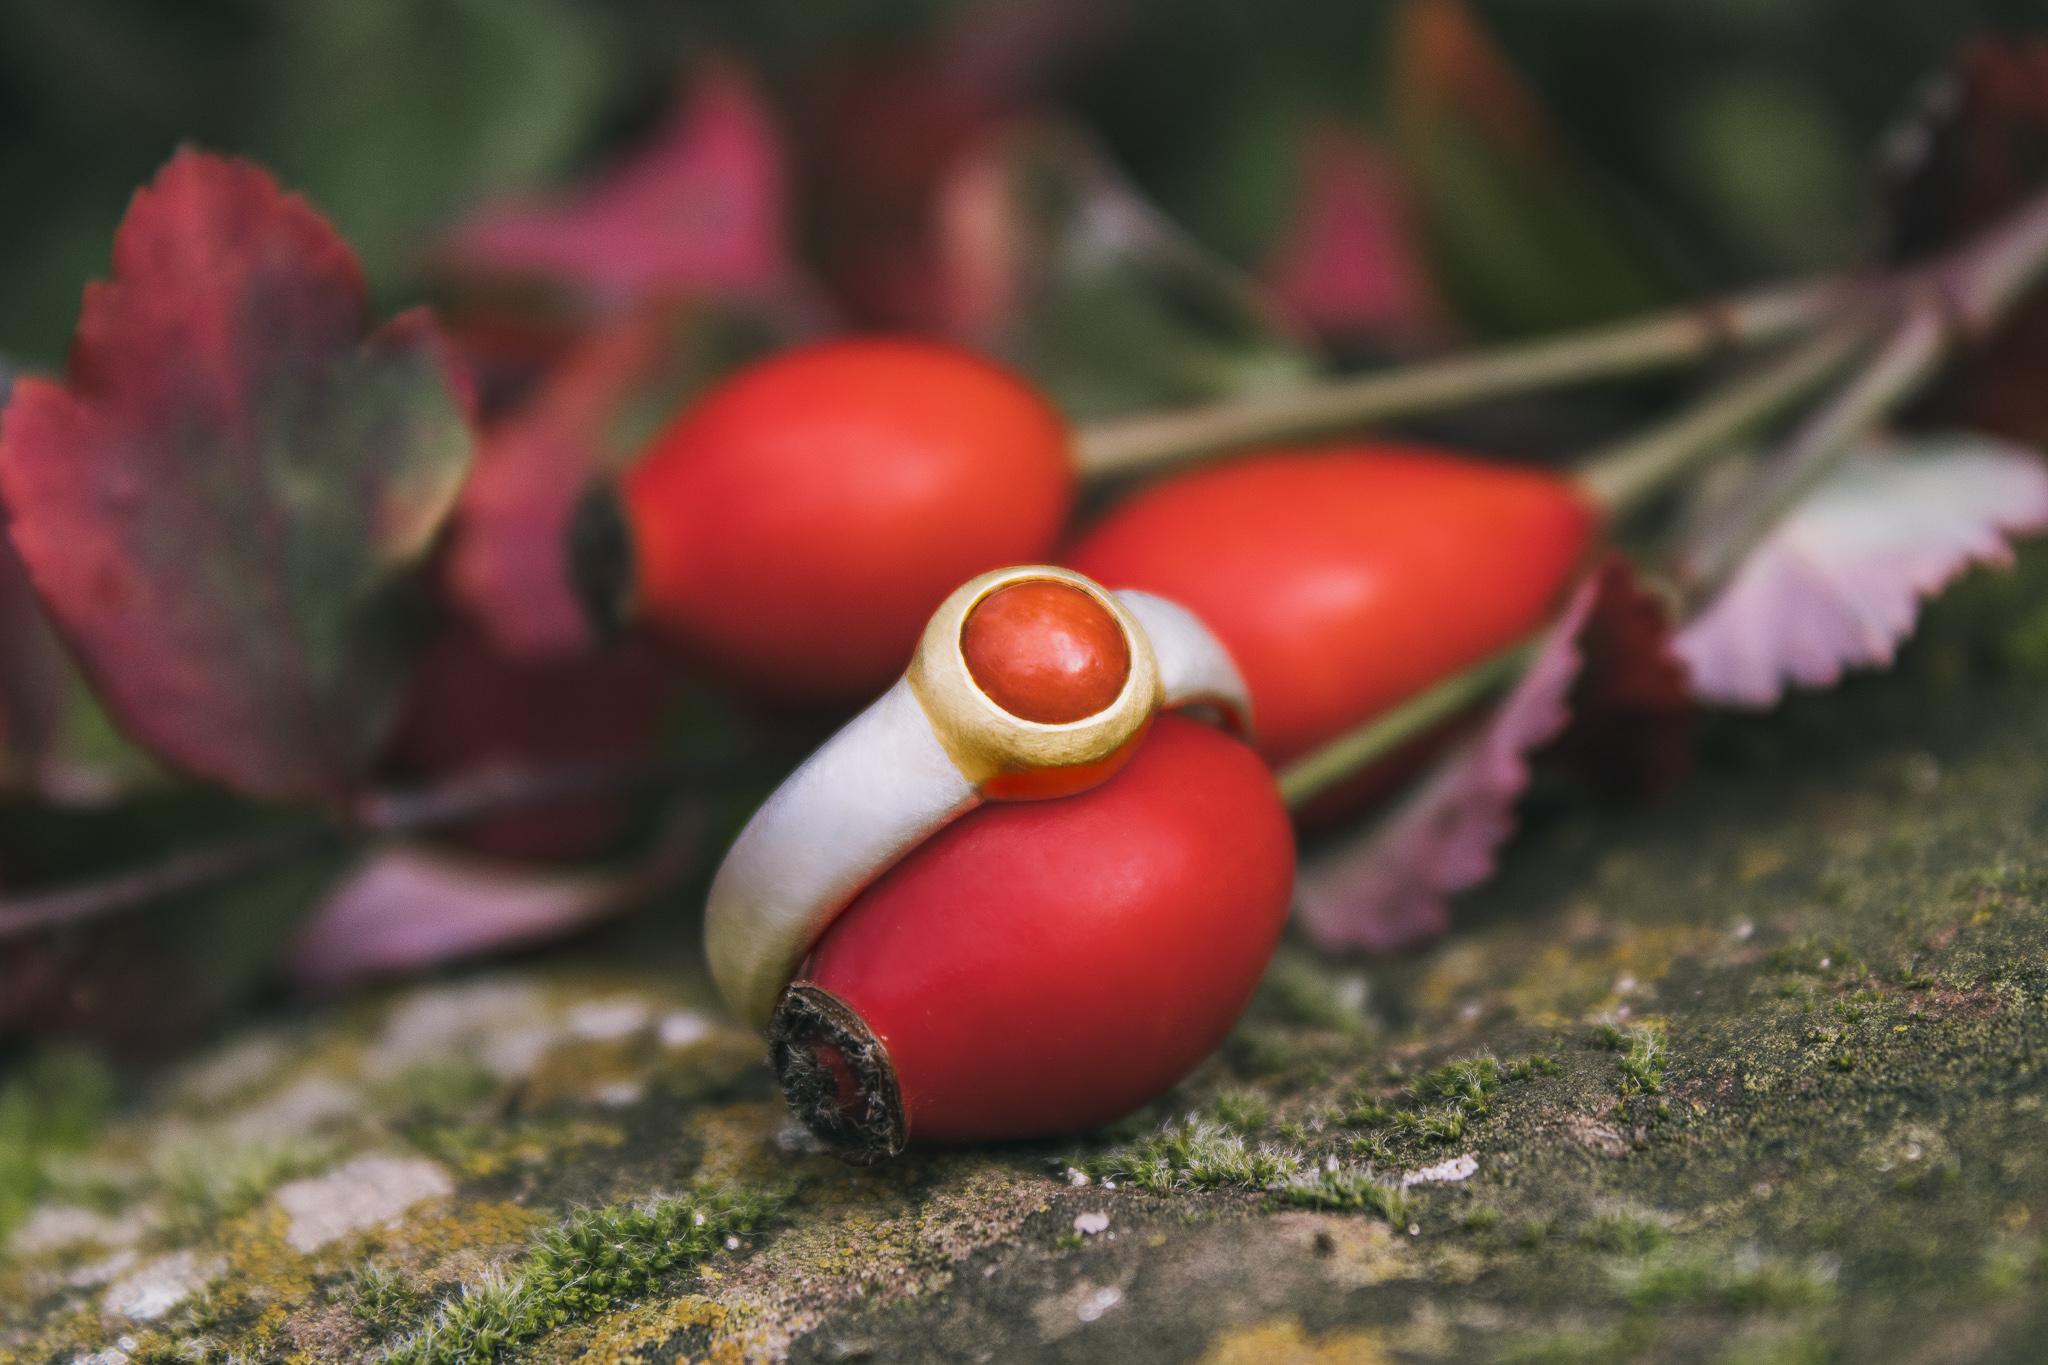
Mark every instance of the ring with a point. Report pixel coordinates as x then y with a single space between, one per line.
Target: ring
1028 683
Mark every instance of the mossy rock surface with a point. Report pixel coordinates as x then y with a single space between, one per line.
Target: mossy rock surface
1755 1073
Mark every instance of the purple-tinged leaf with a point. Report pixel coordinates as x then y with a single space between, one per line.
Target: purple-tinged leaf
1391 889
217 503
409 908
701 208
1839 582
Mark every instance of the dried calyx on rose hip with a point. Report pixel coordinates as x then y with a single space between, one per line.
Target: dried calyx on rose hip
1042 967
1345 579
794 526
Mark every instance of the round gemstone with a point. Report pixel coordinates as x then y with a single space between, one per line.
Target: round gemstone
1046 652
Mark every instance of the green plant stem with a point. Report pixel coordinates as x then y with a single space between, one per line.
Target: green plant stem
1981 284
1352 753
1623 476
1617 479
1909 357
1152 441
1931 311
1955 301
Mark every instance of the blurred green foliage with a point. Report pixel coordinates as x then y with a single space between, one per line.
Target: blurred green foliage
52 1104
1738 137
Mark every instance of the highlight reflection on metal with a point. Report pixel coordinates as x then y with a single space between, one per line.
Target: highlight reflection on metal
930 749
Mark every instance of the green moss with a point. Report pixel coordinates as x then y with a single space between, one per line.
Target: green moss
1617 1345
1193 1154
1796 1347
1445 1125
581 1267
53 1105
1644 1057
1484 1218
1745 1280
1468 1084
434 1090
204 1185
1530 1067
383 1300
2012 1266
1373 1147
1352 1191
1623 1232
1243 1111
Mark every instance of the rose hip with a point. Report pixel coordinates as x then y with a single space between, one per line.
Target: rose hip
797 525
1345 579
1041 967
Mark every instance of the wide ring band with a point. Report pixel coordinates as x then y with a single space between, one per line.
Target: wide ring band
930 749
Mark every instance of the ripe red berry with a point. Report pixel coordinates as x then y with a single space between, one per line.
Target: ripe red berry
1041 967
797 525
1346 579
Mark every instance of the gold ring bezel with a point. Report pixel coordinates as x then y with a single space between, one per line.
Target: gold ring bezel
985 741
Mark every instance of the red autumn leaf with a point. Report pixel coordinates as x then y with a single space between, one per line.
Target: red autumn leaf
474 710
409 908
1348 262
1839 582
700 208
508 561
42 697
1633 708
218 503
1391 889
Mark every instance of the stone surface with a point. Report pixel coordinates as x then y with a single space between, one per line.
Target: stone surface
151 1291
367 1192
1755 1073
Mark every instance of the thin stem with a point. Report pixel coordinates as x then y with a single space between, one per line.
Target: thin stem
1153 440
457 804
1620 478
469 800
1350 754
1909 357
179 875
1996 270
1970 291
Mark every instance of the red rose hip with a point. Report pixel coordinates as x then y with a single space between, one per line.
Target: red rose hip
797 525
1346 579
1042 967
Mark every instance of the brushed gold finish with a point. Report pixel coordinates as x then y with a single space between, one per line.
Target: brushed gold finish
987 742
